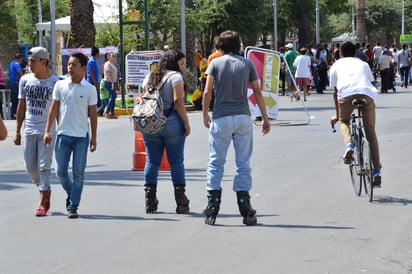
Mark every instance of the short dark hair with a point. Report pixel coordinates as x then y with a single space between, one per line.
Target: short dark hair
18 56
348 49
95 51
229 42
81 57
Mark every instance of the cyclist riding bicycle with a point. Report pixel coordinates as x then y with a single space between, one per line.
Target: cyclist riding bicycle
352 78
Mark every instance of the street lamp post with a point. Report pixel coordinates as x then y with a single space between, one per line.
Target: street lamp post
403 17
275 26
317 23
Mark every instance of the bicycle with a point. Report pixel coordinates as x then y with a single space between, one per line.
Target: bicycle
360 166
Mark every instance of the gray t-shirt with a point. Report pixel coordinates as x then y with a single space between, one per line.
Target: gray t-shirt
38 96
232 74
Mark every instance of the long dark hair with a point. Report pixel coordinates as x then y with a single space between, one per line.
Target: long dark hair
169 61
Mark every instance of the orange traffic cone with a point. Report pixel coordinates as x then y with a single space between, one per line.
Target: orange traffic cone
139 155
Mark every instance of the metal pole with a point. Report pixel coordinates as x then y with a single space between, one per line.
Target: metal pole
353 22
53 35
403 17
275 25
146 24
40 19
317 23
182 26
121 53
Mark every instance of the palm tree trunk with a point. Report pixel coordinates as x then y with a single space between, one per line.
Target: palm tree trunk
360 21
83 31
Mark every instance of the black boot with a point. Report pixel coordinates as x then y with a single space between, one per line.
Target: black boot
213 205
151 200
245 208
182 202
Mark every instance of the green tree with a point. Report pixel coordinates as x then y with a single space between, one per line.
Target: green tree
8 33
27 17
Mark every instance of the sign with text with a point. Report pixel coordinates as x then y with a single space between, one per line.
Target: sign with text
137 65
267 64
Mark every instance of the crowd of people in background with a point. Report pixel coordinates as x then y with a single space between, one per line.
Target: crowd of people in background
388 62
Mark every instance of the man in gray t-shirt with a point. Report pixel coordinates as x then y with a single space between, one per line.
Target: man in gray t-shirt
35 96
230 76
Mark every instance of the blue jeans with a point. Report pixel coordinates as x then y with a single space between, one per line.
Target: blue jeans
404 72
14 93
65 146
173 139
103 104
113 96
222 131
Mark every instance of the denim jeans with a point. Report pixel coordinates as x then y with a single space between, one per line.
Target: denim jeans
172 139
65 146
103 104
404 73
14 92
222 131
113 96
38 159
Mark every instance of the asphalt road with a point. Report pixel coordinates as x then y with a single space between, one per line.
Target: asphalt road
309 220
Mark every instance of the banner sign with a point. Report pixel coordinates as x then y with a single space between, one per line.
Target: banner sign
406 38
137 65
86 51
267 64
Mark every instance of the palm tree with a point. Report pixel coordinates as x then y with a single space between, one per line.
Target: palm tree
83 31
360 21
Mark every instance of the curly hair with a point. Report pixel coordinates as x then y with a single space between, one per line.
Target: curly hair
169 61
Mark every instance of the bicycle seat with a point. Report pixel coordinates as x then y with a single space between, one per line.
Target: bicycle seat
359 102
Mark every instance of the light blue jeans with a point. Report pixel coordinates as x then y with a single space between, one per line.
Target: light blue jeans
222 131
173 139
38 159
64 148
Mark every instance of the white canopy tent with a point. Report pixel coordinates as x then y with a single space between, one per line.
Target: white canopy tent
105 12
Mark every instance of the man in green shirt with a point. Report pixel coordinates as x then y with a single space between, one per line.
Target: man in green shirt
290 57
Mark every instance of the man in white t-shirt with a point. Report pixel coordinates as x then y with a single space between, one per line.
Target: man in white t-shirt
35 97
352 78
74 101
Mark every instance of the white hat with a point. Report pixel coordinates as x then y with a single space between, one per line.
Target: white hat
39 52
289 46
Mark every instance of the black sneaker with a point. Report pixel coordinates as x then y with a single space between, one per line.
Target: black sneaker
72 213
67 202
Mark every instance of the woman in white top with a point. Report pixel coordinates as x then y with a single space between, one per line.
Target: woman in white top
303 73
110 83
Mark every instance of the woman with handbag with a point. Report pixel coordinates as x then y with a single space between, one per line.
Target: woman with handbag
168 72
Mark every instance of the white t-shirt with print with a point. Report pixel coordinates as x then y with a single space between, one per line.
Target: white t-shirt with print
38 96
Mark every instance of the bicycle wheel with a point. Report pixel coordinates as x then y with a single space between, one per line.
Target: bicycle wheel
367 169
355 171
